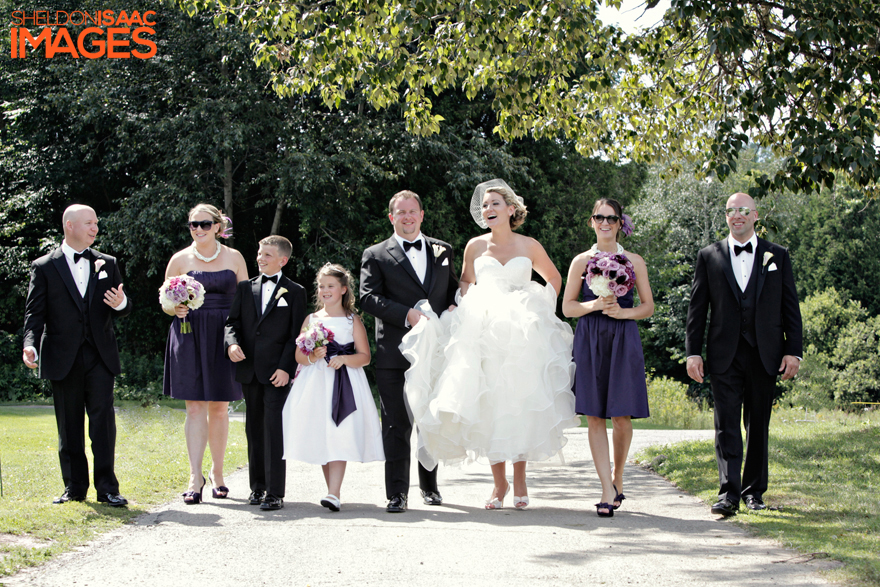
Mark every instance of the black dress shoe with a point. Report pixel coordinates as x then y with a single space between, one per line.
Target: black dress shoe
432 498
256 497
754 503
397 504
725 508
113 500
272 503
65 497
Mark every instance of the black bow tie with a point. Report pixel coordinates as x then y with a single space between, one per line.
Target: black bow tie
739 249
408 245
273 279
77 256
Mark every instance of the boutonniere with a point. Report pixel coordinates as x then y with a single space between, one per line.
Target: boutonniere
767 256
438 250
281 292
98 264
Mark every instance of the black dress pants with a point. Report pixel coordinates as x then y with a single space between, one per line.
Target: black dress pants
396 434
745 389
87 389
265 436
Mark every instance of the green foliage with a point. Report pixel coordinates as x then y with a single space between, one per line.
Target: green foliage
823 474
141 378
18 383
842 354
800 78
672 408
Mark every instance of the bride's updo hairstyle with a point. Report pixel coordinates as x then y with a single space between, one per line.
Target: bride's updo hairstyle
510 199
216 216
344 278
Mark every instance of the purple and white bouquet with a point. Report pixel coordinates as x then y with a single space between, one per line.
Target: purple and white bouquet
185 290
313 337
610 274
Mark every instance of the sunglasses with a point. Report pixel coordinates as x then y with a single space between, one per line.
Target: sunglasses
203 224
745 211
611 219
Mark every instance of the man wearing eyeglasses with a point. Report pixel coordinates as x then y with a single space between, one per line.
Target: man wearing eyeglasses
745 286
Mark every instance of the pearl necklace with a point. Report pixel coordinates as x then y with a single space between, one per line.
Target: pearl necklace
595 249
201 257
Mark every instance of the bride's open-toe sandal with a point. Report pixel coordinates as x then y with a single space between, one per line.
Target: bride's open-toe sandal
495 503
521 503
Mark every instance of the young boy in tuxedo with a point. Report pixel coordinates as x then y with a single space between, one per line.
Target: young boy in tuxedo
260 338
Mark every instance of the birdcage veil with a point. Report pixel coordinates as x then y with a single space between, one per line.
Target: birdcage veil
477 199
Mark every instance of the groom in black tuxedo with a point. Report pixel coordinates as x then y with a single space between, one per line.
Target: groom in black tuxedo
746 285
265 318
395 275
73 295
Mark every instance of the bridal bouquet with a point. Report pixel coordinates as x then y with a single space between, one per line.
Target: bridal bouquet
313 337
185 290
610 274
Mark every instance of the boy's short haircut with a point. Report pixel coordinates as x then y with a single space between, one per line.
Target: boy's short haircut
284 246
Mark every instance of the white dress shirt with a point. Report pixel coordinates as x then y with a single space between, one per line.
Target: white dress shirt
419 259
268 289
742 264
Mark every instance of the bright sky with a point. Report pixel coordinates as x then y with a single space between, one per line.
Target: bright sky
631 17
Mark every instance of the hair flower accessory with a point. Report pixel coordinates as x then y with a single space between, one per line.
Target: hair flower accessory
767 256
98 264
227 232
438 250
281 292
626 225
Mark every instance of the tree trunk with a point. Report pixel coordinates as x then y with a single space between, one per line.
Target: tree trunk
227 192
276 222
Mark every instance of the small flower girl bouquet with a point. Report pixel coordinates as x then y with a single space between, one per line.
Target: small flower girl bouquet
610 274
313 337
185 290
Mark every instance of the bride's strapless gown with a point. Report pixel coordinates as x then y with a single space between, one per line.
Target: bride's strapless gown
492 379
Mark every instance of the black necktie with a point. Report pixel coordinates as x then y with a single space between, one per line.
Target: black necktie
408 245
273 279
77 256
739 249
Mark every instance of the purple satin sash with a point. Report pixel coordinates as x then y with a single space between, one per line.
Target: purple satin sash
343 395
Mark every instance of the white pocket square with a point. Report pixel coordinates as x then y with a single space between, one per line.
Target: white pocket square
772 267
444 263
102 275
282 303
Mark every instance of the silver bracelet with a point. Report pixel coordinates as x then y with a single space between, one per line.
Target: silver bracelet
309 357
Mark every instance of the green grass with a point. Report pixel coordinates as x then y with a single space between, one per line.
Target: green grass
151 465
824 476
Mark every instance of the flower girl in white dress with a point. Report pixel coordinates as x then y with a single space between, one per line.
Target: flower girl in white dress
330 416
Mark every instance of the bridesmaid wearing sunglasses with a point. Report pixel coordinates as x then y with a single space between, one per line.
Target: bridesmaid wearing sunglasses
610 367
197 369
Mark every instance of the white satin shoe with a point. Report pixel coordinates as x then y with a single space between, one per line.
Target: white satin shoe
331 502
495 503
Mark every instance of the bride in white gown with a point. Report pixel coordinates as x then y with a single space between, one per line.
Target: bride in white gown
491 380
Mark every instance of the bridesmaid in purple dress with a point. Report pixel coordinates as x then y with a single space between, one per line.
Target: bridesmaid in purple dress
610 367
196 368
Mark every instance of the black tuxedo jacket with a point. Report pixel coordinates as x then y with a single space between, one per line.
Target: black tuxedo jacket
390 287
269 339
53 319
715 291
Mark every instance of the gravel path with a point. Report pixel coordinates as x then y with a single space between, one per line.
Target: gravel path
660 537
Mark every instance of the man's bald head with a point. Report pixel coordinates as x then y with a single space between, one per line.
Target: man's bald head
741 225
80 226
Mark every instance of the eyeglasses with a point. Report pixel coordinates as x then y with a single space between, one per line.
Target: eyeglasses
611 219
203 224
745 211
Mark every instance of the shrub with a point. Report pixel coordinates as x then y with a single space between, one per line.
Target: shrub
17 382
671 407
141 378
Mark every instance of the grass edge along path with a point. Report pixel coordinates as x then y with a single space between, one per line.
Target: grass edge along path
824 471
151 466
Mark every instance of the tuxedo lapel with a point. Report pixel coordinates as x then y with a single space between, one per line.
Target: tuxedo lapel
430 266
257 290
723 253
63 269
763 247
395 251
273 300
93 278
